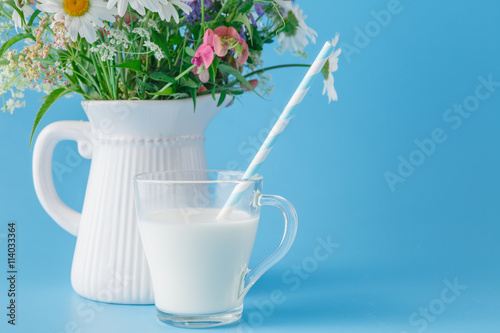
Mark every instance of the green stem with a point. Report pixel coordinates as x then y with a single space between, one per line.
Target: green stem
182 50
220 11
113 79
177 78
275 67
89 77
202 13
104 81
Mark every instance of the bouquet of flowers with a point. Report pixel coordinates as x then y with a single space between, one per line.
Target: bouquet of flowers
145 49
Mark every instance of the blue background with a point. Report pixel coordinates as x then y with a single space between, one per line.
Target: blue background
395 248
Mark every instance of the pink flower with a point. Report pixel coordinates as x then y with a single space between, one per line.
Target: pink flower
202 72
254 83
220 41
201 89
208 37
226 38
104 32
127 18
204 55
204 75
241 52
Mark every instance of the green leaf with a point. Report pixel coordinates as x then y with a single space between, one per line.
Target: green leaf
13 41
49 100
256 43
150 86
178 77
236 92
189 83
179 95
85 88
175 40
213 92
167 90
63 55
33 17
244 19
159 76
228 69
190 52
193 96
213 69
134 65
222 97
247 7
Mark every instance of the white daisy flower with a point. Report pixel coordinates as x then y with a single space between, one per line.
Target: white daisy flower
287 4
167 9
138 5
331 66
297 39
79 16
27 11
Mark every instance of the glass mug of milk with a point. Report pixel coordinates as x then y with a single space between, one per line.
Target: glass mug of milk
199 261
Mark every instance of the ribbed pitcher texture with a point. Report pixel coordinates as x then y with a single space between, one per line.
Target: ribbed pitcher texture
123 138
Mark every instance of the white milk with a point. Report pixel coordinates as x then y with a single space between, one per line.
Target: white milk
198 264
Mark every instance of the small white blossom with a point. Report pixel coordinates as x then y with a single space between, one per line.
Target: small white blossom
142 32
286 4
265 86
154 48
106 52
15 102
297 40
27 12
149 23
118 37
331 66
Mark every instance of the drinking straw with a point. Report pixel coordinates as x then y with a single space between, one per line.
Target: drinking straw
278 128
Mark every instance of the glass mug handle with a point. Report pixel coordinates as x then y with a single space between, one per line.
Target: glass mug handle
290 215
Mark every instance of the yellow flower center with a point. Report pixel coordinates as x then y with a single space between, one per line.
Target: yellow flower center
76 7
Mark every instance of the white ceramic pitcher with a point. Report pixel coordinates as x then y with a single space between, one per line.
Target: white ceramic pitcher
123 138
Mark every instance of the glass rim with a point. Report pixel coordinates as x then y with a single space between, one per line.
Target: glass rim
142 177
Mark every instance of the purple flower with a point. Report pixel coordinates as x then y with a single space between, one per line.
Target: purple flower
195 15
252 20
258 8
242 32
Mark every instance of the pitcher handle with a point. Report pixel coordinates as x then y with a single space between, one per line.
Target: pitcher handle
291 220
47 140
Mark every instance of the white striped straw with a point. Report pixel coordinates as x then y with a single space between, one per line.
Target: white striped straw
278 128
